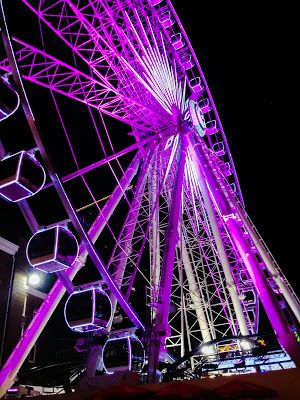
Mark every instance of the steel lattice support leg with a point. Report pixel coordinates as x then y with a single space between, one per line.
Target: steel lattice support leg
221 250
160 326
292 301
225 204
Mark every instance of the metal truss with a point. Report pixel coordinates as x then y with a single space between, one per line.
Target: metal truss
116 69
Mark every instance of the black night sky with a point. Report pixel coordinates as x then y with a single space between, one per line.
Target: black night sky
247 53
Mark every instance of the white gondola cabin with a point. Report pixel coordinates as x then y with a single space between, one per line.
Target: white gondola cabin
166 19
21 176
177 41
205 105
123 354
219 149
211 127
88 310
187 61
196 85
9 98
52 249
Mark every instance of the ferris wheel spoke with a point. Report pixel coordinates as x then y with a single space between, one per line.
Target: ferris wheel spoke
109 67
40 68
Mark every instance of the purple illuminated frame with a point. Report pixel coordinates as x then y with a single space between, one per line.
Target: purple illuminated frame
89 326
30 193
6 83
129 338
52 260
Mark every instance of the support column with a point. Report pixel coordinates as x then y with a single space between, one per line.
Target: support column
278 321
284 289
223 199
161 328
195 295
220 247
155 252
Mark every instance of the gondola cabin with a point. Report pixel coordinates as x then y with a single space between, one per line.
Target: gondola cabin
123 354
52 249
88 310
21 176
9 100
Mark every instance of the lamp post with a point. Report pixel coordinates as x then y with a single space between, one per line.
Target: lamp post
34 280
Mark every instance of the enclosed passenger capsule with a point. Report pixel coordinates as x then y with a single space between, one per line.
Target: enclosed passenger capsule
219 149
88 310
211 127
123 354
21 176
177 41
9 100
187 61
52 249
196 85
166 19
205 105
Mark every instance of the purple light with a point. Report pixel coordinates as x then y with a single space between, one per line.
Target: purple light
12 390
10 99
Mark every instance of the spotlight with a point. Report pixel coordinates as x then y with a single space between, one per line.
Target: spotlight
207 350
34 279
246 344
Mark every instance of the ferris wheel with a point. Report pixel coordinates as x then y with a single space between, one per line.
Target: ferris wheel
153 202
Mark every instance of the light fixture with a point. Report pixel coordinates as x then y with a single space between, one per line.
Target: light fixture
34 279
246 344
207 350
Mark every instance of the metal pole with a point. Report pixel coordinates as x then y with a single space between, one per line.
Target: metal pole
225 203
155 251
127 232
220 247
284 289
195 294
161 328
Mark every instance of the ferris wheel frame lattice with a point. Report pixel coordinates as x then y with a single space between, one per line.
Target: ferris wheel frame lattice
184 246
